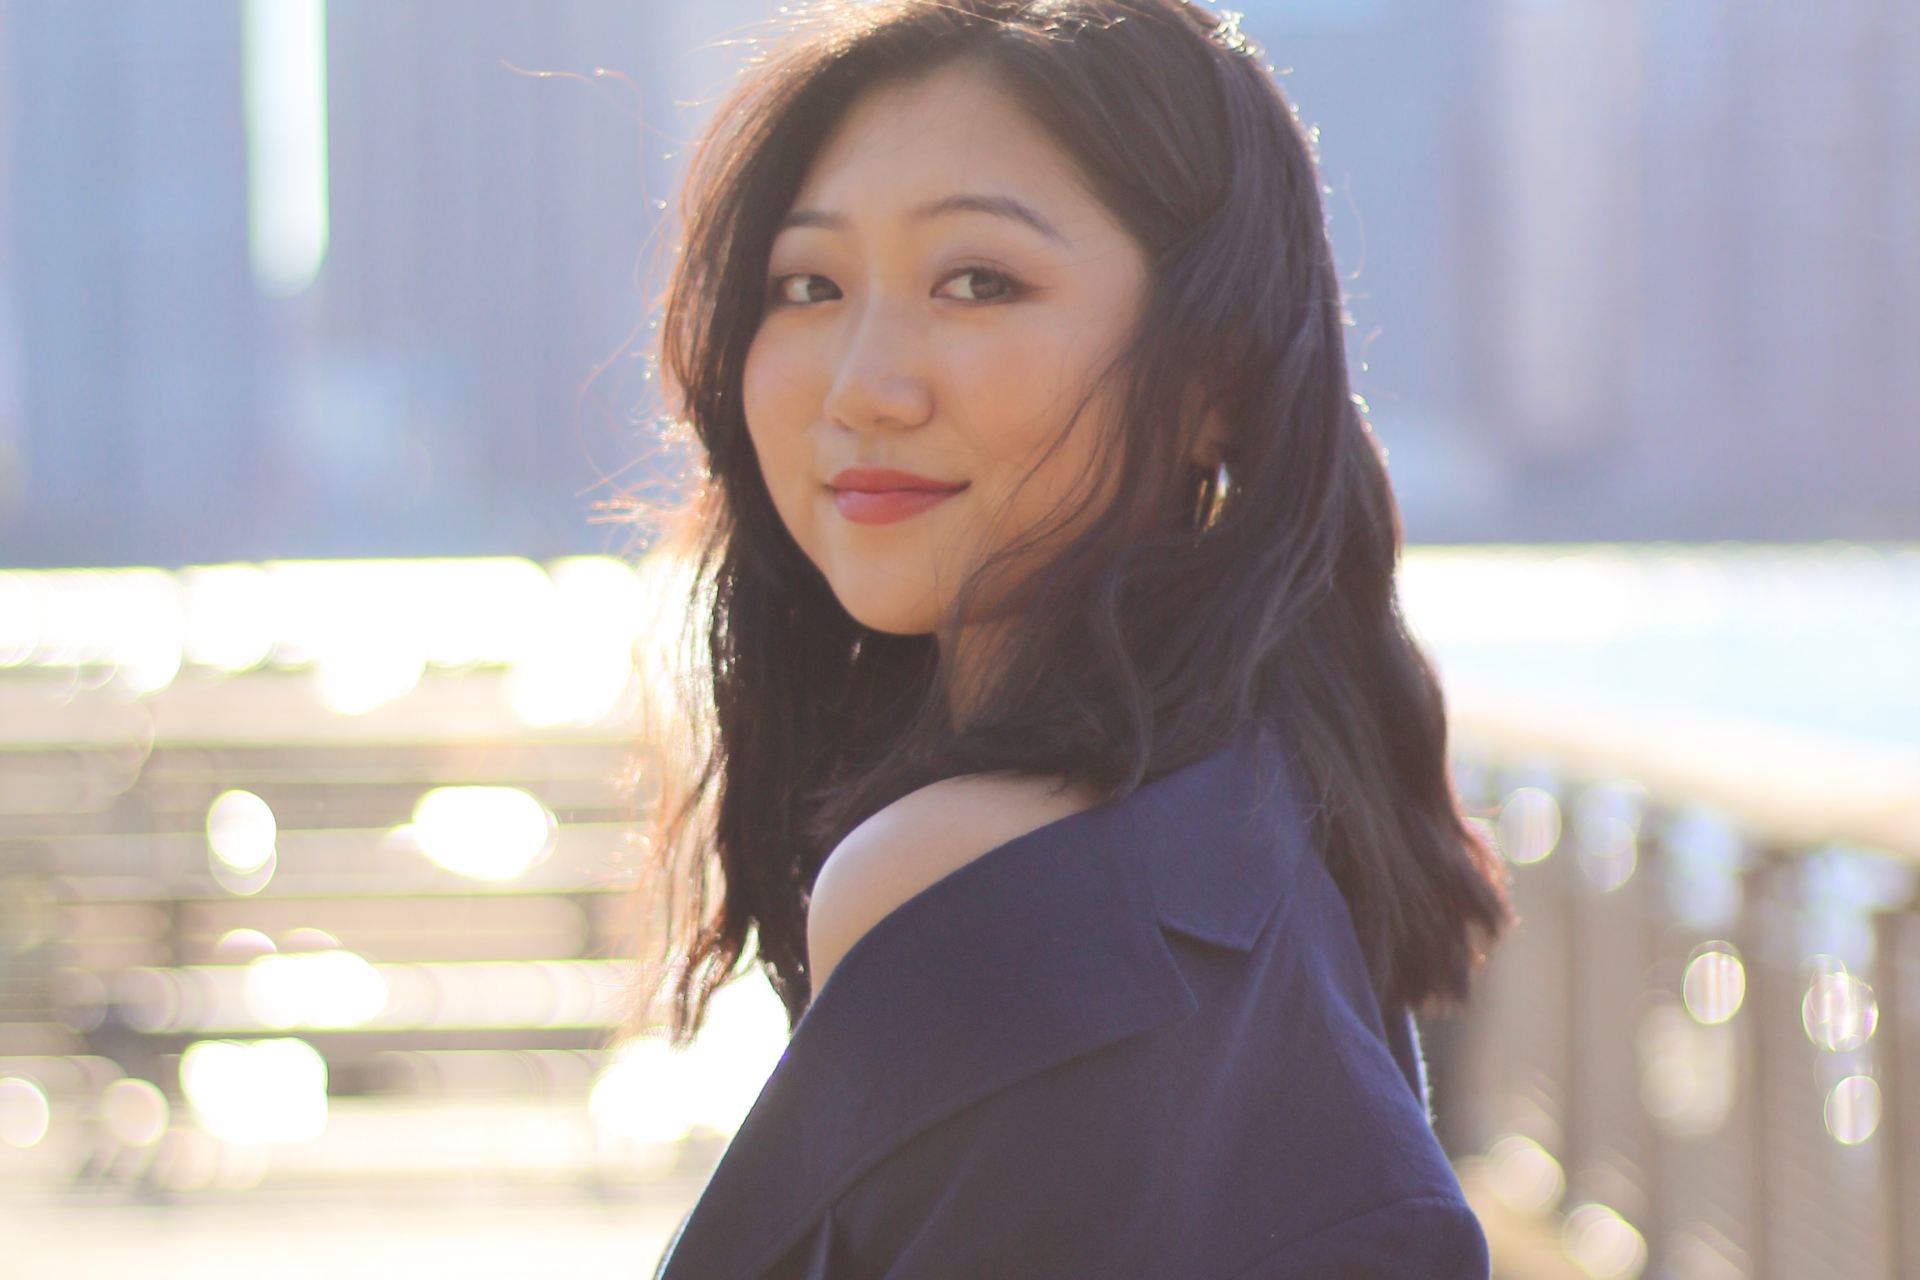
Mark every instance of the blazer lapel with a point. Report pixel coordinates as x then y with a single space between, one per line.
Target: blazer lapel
1044 948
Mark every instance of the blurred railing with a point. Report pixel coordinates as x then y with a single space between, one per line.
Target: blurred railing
322 874
318 874
1698 1054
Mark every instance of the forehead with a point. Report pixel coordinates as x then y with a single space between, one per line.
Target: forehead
953 129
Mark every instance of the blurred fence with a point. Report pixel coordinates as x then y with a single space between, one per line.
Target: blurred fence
320 877
1698 1055
317 875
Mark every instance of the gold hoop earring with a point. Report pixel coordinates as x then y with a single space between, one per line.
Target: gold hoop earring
1213 496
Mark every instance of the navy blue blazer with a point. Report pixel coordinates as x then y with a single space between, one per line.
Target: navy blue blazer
1138 1041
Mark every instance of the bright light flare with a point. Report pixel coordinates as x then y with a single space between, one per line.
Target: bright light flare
485 833
241 830
266 1091
285 96
323 989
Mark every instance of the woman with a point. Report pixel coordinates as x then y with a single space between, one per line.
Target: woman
1063 747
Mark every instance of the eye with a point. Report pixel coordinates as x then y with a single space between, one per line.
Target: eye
782 291
1003 287
779 295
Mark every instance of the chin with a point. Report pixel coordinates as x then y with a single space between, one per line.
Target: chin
888 616
893 624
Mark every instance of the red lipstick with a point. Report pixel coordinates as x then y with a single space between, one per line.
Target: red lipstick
882 495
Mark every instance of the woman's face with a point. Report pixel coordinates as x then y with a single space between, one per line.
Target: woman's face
950 342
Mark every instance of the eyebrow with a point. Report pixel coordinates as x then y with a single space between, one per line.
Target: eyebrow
999 206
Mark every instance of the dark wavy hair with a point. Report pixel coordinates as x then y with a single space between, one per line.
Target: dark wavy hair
1146 642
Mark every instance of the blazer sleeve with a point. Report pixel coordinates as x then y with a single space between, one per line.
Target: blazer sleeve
1423 1237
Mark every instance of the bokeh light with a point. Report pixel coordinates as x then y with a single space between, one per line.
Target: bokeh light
25 1112
241 830
485 833
1524 1174
1528 825
232 616
331 989
261 1091
1852 1109
1603 1244
134 1111
1839 1012
1689 1071
1714 983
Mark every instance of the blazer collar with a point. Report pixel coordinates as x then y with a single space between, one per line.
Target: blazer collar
1041 949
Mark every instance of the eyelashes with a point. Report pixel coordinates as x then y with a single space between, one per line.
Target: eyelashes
1005 288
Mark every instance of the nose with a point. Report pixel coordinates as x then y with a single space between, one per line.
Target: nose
881 380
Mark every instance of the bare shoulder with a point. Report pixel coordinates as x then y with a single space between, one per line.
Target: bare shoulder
918 839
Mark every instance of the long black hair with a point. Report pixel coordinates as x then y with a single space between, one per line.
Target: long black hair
1147 641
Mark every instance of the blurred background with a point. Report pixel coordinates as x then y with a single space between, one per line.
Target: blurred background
323 384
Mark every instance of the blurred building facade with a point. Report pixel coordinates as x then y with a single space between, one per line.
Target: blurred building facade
132 359
488 201
1615 271
1701 245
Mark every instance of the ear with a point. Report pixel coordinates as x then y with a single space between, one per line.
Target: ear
1213 439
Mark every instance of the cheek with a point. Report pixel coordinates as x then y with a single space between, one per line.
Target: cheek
1006 399
760 391
773 401
1019 395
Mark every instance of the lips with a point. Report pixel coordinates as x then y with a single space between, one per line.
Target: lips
888 479
882 495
